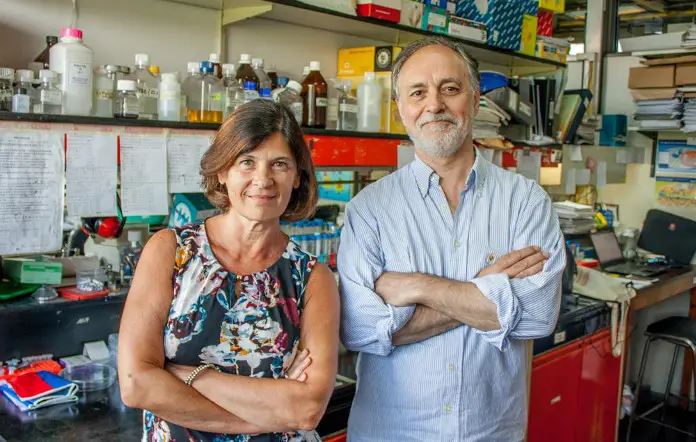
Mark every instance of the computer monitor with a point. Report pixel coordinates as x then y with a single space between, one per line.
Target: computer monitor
607 247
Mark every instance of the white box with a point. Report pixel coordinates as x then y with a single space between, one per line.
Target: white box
467 29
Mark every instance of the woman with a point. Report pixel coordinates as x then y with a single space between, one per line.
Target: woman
240 306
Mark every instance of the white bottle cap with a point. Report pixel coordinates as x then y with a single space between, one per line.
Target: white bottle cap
193 66
142 59
135 235
214 58
244 59
256 62
168 77
369 76
126 85
295 86
47 74
228 69
314 66
271 68
305 71
24 75
7 73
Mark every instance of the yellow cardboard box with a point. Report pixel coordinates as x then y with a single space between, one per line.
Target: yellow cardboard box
552 5
352 65
529 34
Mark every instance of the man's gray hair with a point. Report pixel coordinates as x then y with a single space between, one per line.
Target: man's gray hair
460 49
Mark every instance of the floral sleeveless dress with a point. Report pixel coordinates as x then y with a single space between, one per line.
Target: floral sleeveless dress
251 333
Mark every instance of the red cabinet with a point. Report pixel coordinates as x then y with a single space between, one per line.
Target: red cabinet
574 392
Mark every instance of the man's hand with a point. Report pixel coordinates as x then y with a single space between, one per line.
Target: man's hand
401 289
518 263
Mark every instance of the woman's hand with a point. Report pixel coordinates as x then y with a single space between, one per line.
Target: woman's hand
297 368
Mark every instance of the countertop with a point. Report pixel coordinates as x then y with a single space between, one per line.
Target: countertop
102 416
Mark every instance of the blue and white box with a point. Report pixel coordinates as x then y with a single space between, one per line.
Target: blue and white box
503 18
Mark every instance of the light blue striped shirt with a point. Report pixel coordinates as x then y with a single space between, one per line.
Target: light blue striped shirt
466 384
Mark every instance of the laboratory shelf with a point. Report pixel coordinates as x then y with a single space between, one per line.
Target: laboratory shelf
99 121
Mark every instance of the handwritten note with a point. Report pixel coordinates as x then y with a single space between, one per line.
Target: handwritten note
92 174
184 154
31 192
144 175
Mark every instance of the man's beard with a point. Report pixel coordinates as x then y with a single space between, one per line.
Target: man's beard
443 142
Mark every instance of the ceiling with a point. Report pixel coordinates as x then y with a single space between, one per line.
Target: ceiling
652 15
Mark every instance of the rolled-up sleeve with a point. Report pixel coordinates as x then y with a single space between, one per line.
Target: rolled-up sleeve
367 323
528 307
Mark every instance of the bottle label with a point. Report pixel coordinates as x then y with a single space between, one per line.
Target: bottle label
104 94
297 110
265 93
351 108
332 110
51 97
215 102
322 102
250 85
80 74
21 103
250 94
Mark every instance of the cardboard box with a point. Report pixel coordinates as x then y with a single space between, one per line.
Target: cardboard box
545 23
552 5
685 74
412 13
389 10
352 65
467 29
529 35
435 20
503 19
649 77
33 271
552 49
437 3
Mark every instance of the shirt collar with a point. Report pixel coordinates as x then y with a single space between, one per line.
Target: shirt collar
426 177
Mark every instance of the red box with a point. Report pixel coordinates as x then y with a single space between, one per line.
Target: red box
352 151
545 23
388 10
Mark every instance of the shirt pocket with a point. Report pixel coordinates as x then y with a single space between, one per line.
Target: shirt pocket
399 255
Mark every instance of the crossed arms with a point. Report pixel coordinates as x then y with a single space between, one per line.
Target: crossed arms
517 298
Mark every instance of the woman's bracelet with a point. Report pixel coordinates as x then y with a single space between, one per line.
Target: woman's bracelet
198 370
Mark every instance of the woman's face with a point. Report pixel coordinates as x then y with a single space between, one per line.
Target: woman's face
260 182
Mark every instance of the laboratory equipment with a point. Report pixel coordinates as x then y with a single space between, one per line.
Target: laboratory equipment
265 84
205 97
105 79
347 108
147 87
273 75
72 61
314 96
290 97
6 91
169 104
25 95
90 377
131 255
369 104
234 94
44 57
126 103
247 78
217 69
50 97
154 70
91 280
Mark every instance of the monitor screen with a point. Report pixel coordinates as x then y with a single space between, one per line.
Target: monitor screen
606 246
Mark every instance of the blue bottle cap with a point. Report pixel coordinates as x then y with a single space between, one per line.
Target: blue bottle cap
207 67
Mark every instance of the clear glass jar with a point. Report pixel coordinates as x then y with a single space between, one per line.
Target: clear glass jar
50 97
105 79
126 104
6 91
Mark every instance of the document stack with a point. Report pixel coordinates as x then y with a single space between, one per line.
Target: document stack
574 218
689 37
659 114
489 119
689 117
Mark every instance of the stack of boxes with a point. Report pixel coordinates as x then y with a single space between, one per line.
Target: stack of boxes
548 47
352 65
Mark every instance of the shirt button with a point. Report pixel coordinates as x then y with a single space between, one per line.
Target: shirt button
452 367
448 408
444 206
457 244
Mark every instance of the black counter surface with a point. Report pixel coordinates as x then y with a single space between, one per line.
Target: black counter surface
102 417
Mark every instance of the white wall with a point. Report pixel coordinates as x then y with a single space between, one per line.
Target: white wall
290 47
171 33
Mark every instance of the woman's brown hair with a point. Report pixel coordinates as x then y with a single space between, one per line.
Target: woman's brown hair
249 126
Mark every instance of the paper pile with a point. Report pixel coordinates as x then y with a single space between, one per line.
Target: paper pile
489 119
574 218
689 116
659 114
689 37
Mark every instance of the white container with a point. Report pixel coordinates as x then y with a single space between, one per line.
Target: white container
169 104
72 61
369 104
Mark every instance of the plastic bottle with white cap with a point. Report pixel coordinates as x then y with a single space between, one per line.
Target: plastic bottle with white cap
234 94
265 84
148 87
369 104
6 92
247 78
49 96
169 103
126 104
291 97
72 60
217 68
25 96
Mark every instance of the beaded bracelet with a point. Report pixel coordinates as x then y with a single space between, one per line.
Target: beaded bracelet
198 370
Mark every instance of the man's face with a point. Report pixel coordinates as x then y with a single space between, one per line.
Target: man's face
435 100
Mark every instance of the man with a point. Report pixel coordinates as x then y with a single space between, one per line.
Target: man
446 267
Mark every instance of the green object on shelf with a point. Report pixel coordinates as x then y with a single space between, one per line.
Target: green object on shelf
10 289
33 270
153 220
